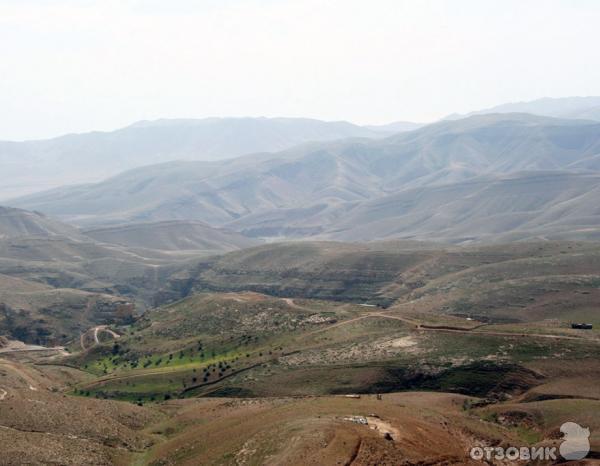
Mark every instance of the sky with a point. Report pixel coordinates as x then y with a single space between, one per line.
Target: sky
79 65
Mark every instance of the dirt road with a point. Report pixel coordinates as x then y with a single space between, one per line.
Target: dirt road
17 346
473 331
104 328
362 317
95 331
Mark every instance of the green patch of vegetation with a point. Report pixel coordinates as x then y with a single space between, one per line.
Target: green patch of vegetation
528 435
231 392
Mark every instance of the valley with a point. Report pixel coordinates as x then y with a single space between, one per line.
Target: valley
299 233
277 353
363 298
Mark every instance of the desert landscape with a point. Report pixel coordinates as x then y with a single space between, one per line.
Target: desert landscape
391 352
299 233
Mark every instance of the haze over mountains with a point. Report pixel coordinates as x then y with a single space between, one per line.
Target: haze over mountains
585 108
32 166
17 223
487 177
184 280
219 278
477 178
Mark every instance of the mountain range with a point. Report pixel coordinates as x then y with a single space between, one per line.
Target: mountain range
485 176
583 108
32 166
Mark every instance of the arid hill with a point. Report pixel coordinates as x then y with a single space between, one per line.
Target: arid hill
31 166
18 223
486 178
173 236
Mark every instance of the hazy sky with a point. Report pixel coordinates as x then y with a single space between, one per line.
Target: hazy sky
78 65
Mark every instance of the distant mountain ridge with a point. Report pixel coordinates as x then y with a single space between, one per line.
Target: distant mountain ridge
396 127
583 108
32 166
18 223
362 189
528 205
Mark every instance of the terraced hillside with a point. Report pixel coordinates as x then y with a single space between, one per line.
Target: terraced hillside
259 345
399 428
289 365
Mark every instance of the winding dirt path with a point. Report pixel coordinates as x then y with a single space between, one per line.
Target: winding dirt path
362 317
510 334
95 331
417 327
104 328
16 346
290 302
473 331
